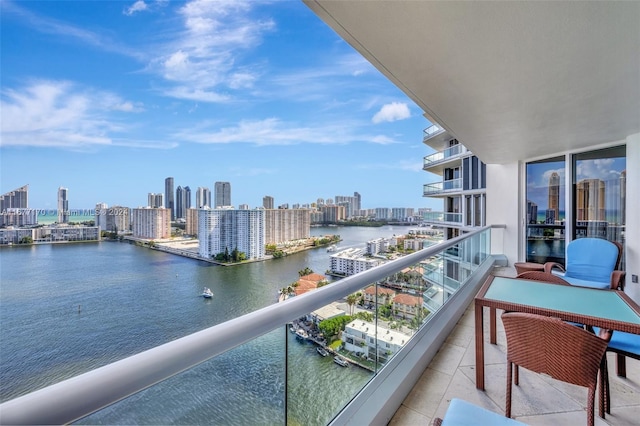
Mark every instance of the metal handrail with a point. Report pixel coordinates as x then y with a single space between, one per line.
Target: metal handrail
75 398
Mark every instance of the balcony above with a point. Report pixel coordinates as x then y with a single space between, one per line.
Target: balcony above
436 137
443 218
436 162
447 187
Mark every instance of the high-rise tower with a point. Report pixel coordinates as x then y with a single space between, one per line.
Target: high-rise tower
203 197
222 194
169 197
180 209
267 202
554 199
63 205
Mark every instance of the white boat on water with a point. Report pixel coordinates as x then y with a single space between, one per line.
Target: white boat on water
301 334
207 293
340 361
332 247
322 351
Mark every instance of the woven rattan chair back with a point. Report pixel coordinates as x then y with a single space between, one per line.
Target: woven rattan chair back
542 276
551 346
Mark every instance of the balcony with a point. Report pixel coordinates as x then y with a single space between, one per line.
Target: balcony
434 365
431 131
539 401
120 392
435 162
443 218
442 188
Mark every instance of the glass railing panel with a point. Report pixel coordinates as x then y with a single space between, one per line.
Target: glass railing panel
245 385
449 217
447 185
282 377
446 154
431 131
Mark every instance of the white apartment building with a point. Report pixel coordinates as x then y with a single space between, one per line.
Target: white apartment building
18 217
50 234
151 223
286 225
113 219
383 213
351 261
379 245
371 340
230 229
101 216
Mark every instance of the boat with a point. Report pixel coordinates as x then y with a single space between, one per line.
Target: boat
340 361
332 247
322 351
301 334
207 293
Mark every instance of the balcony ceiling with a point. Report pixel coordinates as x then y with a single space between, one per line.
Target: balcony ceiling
510 80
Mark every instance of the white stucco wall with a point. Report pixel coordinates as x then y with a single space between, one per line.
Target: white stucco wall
633 215
503 208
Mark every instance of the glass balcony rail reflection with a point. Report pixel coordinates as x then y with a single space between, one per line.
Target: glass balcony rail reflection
431 131
440 156
267 366
441 187
442 217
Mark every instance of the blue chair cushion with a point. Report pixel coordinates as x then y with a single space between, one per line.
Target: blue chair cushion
588 283
627 342
591 259
463 413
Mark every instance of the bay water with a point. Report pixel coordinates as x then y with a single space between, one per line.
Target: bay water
69 308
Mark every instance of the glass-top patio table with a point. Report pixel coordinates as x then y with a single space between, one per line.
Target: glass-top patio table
611 309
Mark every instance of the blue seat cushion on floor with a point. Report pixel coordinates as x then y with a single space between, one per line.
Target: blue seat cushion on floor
463 413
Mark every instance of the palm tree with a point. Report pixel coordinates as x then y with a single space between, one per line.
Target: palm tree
305 271
352 299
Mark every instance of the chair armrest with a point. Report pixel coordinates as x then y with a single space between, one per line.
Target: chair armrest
548 266
617 280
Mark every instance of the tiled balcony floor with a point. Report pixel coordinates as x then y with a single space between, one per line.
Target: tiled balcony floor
539 400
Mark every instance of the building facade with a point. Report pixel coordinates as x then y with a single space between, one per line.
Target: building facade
169 199
151 223
222 194
286 225
268 202
63 205
351 261
225 230
203 197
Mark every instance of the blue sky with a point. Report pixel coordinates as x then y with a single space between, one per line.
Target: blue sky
108 98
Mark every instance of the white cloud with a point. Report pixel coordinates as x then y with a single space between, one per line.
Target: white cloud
202 61
272 131
392 112
59 114
138 6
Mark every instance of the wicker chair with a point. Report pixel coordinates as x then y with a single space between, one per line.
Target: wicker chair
547 277
591 262
623 345
551 346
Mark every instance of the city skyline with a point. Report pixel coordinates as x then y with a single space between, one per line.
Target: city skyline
99 97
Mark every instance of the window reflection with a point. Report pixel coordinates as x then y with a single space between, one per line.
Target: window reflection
546 210
599 191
